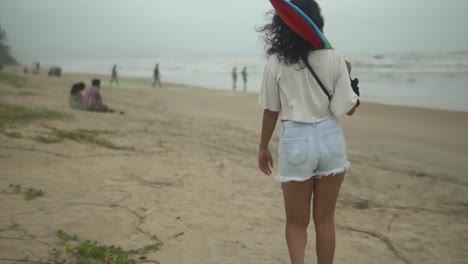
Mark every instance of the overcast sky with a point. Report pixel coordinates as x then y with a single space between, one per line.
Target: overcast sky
132 28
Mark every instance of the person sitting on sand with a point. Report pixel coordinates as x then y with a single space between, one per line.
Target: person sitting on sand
92 100
75 98
55 71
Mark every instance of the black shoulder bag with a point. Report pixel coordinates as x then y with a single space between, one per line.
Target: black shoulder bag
306 61
354 82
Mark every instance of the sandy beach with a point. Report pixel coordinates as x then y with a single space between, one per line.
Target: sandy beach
179 167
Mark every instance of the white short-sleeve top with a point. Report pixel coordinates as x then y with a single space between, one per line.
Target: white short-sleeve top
295 93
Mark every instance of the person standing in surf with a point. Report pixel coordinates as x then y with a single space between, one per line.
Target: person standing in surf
244 78
156 76
114 75
234 79
311 151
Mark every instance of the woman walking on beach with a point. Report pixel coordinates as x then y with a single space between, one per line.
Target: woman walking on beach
311 152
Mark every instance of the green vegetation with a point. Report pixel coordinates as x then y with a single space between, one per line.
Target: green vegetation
79 135
11 115
19 93
5 56
25 93
29 193
12 79
13 134
15 188
32 193
90 252
66 237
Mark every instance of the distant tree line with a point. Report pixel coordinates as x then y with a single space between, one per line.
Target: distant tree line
5 56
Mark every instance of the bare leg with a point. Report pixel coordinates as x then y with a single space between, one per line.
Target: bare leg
326 193
297 198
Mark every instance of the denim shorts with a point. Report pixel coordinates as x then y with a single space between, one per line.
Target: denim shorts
307 150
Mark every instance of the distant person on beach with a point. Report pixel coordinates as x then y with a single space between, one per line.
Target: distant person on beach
55 71
114 75
25 70
244 78
311 151
37 69
92 100
234 78
156 76
75 99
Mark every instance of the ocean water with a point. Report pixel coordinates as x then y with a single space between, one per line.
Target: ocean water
432 80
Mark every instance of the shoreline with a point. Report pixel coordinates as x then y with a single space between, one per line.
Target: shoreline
145 83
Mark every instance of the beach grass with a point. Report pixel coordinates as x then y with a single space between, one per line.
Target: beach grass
28 193
13 134
92 252
12 79
79 135
31 193
124 85
20 93
12 115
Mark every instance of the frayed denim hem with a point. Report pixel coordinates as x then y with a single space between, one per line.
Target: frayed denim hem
317 175
334 171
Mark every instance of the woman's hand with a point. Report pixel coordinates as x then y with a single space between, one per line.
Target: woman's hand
351 112
265 161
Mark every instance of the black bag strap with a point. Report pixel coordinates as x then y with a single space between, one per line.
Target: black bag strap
306 61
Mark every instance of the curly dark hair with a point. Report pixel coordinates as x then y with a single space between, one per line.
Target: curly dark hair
283 41
77 87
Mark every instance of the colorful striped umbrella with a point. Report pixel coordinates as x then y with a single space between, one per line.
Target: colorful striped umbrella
300 23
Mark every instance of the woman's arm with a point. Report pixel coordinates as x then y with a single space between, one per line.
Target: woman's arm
344 100
348 66
351 112
268 126
265 161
